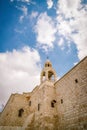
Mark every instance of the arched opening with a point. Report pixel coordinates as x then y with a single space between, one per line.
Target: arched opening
20 112
43 77
48 64
76 80
51 76
53 103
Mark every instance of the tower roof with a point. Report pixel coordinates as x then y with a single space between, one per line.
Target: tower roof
47 64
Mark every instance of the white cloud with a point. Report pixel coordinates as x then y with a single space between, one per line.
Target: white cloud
72 23
75 63
19 72
61 43
45 30
28 2
21 18
11 0
69 23
24 10
25 1
18 31
50 3
68 7
34 14
64 28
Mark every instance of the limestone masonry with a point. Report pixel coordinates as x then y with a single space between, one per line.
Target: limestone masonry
52 105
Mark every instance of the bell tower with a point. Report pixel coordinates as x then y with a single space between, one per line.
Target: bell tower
48 73
47 88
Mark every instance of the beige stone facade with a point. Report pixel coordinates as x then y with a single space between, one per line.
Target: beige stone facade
52 105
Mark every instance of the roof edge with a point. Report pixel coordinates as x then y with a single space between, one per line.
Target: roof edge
71 69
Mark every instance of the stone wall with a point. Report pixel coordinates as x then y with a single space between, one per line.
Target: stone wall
36 105
11 128
71 96
10 114
45 114
69 110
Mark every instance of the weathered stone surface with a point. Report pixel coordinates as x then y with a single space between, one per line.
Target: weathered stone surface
11 128
72 89
60 105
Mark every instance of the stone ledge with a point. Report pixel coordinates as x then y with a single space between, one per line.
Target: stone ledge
11 128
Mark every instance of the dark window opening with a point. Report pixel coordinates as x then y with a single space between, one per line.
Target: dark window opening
38 107
43 76
7 114
51 76
48 65
53 103
73 106
85 126
76 80
28 97
61 101
20 112
29 103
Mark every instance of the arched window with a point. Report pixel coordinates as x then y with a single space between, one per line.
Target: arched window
20 112
51 75
76 80
48 64
53 103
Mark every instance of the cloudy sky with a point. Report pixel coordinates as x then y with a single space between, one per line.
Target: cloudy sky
31 30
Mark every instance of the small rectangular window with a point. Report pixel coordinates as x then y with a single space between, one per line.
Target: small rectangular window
76 80
61 101
38 107
85 126
52 104
20 112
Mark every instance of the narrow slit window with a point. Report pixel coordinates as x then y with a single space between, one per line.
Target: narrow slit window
85 126
38 107
52 104
61 101
29 103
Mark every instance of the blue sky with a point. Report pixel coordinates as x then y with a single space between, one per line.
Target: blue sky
30 31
